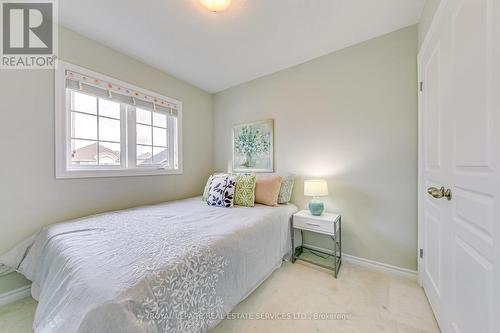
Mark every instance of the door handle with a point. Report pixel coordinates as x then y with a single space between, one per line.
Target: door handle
439 193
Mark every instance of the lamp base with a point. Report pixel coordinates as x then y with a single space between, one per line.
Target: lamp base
316 207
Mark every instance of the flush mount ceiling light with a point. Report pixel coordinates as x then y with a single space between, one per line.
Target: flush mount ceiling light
216 5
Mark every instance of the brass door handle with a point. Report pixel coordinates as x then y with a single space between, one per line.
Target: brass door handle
439 193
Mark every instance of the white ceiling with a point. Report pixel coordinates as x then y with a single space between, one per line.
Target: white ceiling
215 51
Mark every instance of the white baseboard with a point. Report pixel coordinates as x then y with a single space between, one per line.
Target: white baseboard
379 266
15 295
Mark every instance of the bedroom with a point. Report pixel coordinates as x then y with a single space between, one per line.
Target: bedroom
355 143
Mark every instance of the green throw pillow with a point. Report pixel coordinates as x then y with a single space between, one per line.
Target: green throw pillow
244 193
205 191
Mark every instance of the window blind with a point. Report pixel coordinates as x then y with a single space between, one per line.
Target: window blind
117 93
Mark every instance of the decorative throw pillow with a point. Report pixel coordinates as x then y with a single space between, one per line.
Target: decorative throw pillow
267 189
205 191
244 193
221 191
207 185
286 189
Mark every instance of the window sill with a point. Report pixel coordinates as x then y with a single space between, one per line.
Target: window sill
73 174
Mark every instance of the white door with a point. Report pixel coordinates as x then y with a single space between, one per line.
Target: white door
459 65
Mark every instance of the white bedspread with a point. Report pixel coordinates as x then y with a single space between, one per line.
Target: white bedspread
174 267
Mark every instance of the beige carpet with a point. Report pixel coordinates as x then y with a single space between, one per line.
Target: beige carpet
360 300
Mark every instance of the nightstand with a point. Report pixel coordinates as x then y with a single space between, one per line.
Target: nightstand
326 224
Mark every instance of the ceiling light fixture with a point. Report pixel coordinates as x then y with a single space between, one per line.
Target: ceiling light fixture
216 5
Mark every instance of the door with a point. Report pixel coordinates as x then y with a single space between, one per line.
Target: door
459 65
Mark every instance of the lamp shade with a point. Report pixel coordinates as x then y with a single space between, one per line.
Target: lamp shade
315 188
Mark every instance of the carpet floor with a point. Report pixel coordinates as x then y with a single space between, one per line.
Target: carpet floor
305 298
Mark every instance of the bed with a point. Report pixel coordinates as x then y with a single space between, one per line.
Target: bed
174 267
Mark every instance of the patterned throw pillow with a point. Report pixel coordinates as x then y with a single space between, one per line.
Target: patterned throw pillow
207 185
221 191
286 189
244 194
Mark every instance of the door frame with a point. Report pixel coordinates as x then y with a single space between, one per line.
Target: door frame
433 29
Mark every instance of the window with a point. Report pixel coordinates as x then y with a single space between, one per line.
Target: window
152 136
95 130
105 127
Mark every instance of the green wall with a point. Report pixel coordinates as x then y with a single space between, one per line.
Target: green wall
349 117
35 198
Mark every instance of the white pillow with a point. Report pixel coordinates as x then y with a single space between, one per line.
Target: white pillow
221 191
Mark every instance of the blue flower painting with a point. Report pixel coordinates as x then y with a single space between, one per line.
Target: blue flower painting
253 147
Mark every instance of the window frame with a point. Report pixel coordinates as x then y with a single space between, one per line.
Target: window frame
170 140
123 136
127 167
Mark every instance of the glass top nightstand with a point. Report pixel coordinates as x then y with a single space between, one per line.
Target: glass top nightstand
326 224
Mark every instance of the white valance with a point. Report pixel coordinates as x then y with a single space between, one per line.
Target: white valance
114 92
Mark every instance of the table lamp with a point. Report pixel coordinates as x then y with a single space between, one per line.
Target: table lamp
316 189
